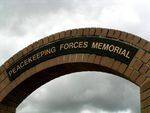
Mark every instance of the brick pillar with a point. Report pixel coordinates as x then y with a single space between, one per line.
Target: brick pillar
7 109
145 98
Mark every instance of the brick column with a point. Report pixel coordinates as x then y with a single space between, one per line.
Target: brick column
145 97
7 109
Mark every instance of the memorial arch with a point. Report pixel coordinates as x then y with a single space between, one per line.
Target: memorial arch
85 49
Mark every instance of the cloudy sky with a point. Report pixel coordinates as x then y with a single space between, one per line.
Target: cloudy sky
25 21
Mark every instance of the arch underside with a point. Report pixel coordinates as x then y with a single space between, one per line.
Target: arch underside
35 81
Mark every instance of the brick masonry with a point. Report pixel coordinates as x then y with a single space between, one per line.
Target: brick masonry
138 71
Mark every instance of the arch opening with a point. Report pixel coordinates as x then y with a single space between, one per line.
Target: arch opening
93 91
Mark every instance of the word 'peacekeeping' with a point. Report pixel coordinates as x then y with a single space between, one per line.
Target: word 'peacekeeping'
99 46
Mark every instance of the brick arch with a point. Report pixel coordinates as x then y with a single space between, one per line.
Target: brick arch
12 92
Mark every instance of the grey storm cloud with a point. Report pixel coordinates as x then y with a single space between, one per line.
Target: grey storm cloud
76 92
14 13
17 17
